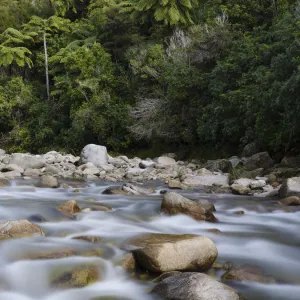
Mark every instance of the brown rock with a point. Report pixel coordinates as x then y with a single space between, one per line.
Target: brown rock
290 201
169 252
247 273
76 278
71 207
18 228
128 263
87 238
174 204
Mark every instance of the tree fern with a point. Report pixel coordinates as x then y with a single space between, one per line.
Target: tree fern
19 55
170 12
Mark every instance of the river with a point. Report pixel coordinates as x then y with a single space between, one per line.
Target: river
265 235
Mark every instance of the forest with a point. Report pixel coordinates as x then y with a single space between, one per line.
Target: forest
144 76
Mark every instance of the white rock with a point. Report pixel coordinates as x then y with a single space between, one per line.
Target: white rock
290 187
12 167
166 161
95 154
206 180
243 181
26 161
256 184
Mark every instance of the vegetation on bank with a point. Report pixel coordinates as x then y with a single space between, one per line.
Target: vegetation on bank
164 74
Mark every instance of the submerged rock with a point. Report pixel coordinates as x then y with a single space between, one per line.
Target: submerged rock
247 273
88 238
290 201
169 252
19 228
174 204
128 189
76 278
194 286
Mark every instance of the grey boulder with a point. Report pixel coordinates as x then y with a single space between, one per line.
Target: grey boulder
95 154
194 286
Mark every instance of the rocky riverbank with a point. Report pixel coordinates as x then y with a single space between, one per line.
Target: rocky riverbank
254 174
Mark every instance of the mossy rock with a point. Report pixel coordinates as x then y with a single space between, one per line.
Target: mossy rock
76 278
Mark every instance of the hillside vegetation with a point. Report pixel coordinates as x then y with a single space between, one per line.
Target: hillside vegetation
140 74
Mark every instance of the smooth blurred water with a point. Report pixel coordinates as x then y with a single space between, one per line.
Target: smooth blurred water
265 235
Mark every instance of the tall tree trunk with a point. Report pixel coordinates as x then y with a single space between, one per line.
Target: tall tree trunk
46 65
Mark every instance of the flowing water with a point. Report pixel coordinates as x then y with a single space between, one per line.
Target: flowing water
265 236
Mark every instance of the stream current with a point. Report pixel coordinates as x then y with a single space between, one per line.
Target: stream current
266 235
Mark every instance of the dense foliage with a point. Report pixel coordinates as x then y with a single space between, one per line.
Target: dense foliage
129 74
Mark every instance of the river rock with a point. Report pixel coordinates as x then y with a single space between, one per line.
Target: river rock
240 189
176 184
71 207
247 273
206 204
169 252
290 187
76 277
290 201
166 161
32 172
241 186
146 164
257 184
206 180
19 228
95 154
223 165
235 161
12 167
251 149
174 204
128 189
291 161
194 286
49 181
258 160
51 170
88 238
26 161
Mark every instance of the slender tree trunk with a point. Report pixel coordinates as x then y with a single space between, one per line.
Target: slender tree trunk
46 65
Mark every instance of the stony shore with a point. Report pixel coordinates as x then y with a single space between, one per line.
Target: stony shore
255 174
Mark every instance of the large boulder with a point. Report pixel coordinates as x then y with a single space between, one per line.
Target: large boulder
194 286
18 228
290 187
95 154
174 204
169 252
258 160
251 149
206 180
223 165
26 161
166 161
